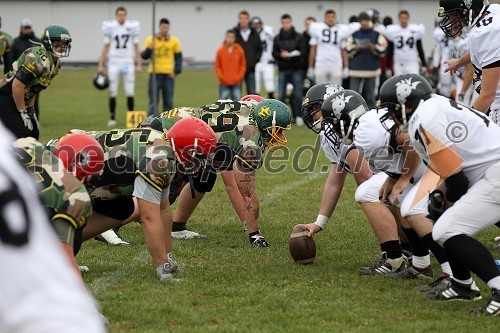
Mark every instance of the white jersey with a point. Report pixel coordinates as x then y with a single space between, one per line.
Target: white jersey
121 39
443 46
439 123
458 47
39 289
484 45
267 35
329 41
335 153
405 41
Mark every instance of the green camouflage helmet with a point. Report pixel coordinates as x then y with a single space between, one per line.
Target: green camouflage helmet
272 117
55 34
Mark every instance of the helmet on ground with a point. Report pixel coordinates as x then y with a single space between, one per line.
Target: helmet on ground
311 106
57 40
272 117
193 142
341 112
81 154
401 92
101 81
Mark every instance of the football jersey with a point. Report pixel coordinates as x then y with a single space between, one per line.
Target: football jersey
335 153
121 38
60 190
267 39
405 41
484 45
439 123
458 47
443 44
232 122
5 43
40 291
329 41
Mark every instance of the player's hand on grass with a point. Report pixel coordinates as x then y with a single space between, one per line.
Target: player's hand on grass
312 228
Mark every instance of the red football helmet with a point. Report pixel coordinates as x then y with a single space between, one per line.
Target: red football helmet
252 98
81 154
190 138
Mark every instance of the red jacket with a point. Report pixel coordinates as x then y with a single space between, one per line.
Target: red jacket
230 67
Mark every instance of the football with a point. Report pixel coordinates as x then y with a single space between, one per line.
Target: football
302 248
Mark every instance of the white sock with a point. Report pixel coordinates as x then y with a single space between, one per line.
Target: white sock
466 282
494 283
421 262
445 267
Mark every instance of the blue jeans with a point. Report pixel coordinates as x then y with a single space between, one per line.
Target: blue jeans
165 83
295 77
366 88
230 92
250 83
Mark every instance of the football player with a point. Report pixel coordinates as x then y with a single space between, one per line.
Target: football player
346 159
140 163
5 41
482 21
32 72
244 129
40 291
405 45
327 61
462 146
264 69
442 51
465 93
60 181
121 48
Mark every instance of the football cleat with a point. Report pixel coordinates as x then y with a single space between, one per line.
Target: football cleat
413 272
111 238
111 123
83 269
164 271
258 240
187 234
383 265
438 285
492 308
457 291
408 257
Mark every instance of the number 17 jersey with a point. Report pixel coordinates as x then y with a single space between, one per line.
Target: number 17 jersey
121 39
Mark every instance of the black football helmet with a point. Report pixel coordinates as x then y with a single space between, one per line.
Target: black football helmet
341 112
313 100
374 15
400 92
458 14
101 81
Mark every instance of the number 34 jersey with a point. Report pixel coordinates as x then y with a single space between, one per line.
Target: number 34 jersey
461 137
405 41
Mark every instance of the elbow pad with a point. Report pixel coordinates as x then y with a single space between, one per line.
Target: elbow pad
456 186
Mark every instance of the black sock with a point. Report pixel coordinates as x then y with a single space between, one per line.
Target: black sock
392 248
112 107
417 246
270 95
438 251
406 246
178 226
130 103
473 256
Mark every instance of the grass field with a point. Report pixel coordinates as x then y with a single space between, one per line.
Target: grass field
228 286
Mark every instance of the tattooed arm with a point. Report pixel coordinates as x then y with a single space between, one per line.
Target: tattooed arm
245 181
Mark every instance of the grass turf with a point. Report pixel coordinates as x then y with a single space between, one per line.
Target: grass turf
226 285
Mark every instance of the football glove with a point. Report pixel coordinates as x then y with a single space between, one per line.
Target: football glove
28 123
435 205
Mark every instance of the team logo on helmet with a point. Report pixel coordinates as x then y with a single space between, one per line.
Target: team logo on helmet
339 103
330 89
404 89
264 112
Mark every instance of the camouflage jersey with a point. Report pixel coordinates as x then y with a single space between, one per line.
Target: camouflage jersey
60 191
232 122
129 153
5 42
35 68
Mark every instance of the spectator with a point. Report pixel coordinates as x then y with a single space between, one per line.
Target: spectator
249 40
167 57
230 66
288 50
365 47
121 49
264 70
307 83
21 43
5 44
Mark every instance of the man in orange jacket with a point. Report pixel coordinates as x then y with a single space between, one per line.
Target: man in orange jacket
230 67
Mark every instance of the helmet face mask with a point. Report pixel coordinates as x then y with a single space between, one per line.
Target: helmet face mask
57 40
456 15
272 117
311 106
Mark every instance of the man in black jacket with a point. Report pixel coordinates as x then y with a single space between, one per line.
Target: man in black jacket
249 40
288 50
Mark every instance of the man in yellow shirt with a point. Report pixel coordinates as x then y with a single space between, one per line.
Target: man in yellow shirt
167 57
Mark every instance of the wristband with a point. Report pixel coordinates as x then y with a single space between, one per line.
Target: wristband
321 221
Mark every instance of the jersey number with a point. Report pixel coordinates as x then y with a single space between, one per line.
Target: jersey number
327 36
121 41
118 138
477 113
400 42
484 22
224 122
10 199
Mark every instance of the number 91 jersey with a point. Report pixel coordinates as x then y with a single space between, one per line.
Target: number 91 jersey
121 38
